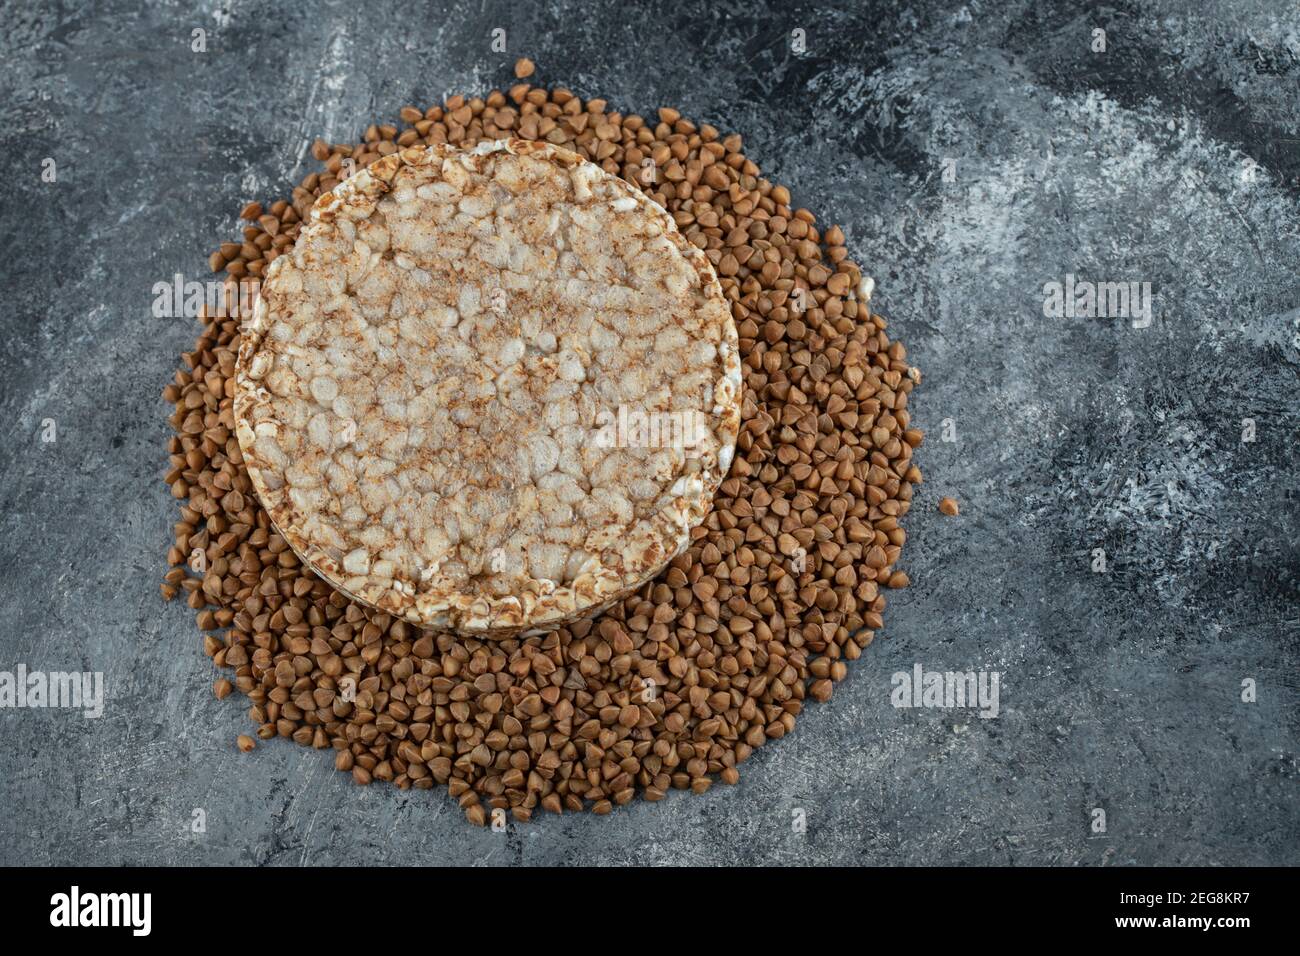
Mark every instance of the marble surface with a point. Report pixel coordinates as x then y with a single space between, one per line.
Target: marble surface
974 155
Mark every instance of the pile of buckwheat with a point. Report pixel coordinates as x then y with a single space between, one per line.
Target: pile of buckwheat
675 686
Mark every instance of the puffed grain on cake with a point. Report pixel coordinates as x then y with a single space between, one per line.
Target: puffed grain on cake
427 391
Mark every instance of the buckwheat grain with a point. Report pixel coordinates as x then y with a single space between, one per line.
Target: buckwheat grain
673 687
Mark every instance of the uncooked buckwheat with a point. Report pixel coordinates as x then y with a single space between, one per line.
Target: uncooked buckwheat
674 685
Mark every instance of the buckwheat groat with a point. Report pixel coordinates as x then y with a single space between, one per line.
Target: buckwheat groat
488 391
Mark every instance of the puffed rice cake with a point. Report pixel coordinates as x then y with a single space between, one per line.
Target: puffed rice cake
488 391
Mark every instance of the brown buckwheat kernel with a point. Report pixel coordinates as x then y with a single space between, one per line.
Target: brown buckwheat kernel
672 687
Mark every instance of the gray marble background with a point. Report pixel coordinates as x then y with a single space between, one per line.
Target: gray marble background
1172 158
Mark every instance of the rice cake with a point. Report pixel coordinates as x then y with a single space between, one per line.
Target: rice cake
488 391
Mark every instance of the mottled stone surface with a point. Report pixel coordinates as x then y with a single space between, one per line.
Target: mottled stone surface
1171 158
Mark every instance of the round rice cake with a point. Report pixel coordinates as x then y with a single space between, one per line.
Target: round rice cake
488 391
